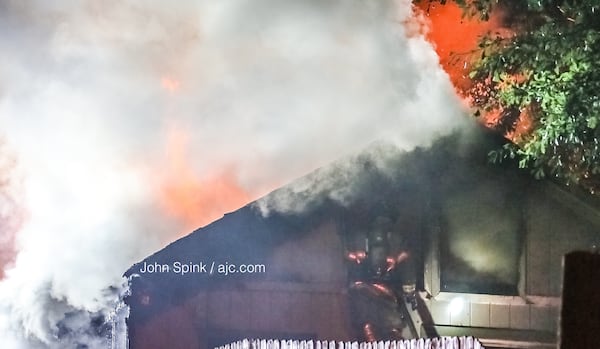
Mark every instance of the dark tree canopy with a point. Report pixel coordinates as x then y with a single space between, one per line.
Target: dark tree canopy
546 75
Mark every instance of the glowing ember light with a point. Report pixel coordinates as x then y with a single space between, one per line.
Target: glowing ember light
170 84
384 290
357 257
523 126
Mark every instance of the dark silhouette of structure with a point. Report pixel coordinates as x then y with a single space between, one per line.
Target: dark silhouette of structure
485 244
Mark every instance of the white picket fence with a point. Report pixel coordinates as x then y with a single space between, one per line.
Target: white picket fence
421 343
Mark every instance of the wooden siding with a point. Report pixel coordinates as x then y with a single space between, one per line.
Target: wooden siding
553 229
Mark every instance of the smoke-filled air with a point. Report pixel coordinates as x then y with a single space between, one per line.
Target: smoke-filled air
124 125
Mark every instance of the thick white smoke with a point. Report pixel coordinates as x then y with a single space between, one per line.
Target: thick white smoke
263 90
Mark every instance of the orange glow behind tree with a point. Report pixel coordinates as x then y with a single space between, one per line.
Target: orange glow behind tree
455 38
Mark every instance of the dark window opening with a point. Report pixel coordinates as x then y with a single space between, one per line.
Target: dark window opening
481 236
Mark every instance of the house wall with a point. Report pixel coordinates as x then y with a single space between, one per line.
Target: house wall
278 310
173 328
555 223
555 226
303 294
496 312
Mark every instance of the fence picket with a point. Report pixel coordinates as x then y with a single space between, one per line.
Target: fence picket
420 343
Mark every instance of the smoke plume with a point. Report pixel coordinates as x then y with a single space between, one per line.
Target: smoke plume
132 122
11 215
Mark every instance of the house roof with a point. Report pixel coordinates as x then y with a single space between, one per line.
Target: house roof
358 188
366 184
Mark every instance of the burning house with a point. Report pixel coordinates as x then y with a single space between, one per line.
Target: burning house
384 245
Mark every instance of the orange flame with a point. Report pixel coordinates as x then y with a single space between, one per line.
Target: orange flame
193 199
523 127
455 38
